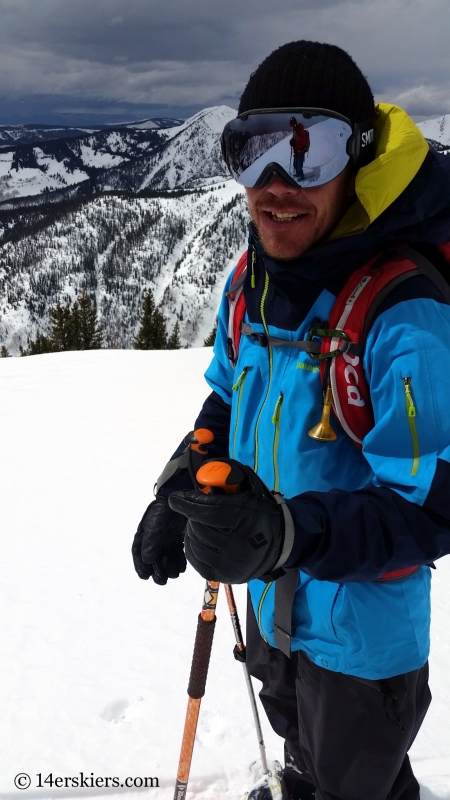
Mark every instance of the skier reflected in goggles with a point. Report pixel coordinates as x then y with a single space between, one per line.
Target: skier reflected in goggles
300 144
305 147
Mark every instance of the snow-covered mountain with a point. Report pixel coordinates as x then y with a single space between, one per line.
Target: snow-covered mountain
117 212
188 156
438 130
182 246
153 122
138 209
53 165
123 159
27 134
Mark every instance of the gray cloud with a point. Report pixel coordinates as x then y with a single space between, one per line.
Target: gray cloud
181 53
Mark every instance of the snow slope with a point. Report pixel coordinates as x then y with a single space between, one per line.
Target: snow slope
437 129
95 662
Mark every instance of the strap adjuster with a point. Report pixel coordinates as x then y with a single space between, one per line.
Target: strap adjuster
230 351
261 338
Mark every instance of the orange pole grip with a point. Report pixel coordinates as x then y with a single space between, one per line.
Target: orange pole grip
215 474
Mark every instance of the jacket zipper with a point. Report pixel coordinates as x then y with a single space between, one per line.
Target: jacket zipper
238 387
260 605
253 276
332 607
411 415
276 418
266 330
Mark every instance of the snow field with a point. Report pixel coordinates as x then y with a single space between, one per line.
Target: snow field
94 662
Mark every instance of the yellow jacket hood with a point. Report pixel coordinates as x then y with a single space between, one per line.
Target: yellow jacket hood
400 152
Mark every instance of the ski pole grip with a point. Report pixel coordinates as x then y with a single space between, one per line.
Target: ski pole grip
223 474
200 658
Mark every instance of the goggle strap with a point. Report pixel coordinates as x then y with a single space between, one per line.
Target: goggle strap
361 145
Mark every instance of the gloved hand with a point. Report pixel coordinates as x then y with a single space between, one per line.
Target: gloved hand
157 549
232 538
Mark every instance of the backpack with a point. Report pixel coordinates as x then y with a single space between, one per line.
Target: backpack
343 336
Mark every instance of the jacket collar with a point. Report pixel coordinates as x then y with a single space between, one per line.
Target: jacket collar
401 151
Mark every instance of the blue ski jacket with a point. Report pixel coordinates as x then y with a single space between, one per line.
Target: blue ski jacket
357 514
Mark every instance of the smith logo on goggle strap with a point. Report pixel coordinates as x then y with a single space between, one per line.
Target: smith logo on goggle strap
367 138
304 146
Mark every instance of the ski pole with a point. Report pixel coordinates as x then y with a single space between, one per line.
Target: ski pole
240 655
223 475
192 459
227 477
197 683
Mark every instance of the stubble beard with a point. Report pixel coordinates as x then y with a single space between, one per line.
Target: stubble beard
274 246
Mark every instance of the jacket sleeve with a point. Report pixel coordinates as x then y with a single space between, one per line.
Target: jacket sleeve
403 518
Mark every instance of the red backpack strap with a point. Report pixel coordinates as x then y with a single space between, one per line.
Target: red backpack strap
445 250
237 309
353 313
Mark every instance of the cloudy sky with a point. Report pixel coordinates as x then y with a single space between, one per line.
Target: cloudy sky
93 61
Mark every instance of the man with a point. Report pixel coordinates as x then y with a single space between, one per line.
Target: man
345 678
300 146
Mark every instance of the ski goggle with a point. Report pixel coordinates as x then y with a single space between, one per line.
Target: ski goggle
305 147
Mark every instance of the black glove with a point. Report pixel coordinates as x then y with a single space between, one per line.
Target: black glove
158 545
232 538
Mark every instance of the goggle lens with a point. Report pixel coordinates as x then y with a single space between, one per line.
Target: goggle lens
306 148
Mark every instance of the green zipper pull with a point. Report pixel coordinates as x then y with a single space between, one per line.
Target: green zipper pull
253 276
411 413
241 377
276 411
238 387
409 398
276 421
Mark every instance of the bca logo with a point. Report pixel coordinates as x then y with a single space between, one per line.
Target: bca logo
351 377
367 138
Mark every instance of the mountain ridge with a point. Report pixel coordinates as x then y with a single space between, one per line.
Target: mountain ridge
33 133
127 158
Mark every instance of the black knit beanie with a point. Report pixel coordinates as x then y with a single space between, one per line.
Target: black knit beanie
310 74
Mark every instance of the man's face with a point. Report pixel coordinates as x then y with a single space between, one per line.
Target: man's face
290 220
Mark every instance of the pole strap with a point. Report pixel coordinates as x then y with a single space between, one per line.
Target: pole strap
289 531
285 589
181 462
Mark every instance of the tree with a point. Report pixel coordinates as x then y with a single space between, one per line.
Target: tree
211 338
42 344
87 334
152 334
74 327
62 335
174 342
4 352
